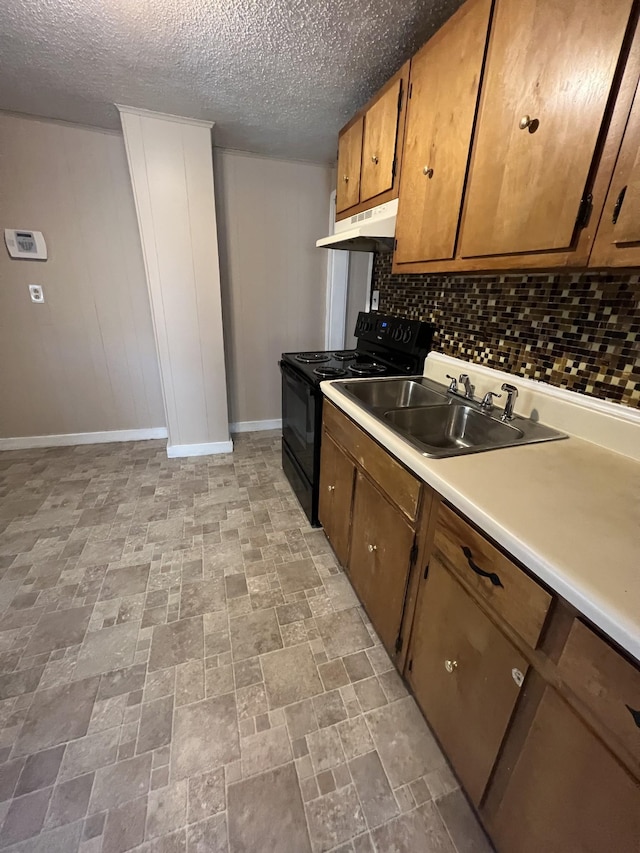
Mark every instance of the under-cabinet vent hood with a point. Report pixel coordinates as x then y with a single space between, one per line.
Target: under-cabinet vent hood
370 231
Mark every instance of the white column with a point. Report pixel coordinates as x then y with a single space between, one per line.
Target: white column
170 163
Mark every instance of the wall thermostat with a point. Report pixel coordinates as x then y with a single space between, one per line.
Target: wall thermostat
25 245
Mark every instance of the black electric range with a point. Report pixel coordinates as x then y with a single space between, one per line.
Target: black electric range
386 346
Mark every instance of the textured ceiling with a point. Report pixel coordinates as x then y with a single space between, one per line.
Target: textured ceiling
278 77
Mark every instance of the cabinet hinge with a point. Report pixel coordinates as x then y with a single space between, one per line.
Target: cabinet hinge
410 667
393 167
410 90
426 572
413 554
395 245
399 642
400 97
584 211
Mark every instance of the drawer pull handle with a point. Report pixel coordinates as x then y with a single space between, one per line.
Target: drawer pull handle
618 205
635 714
493 577
450 665
332 488
372 548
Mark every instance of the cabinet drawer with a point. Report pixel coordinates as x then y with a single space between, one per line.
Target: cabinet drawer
606 682
514 596
401 486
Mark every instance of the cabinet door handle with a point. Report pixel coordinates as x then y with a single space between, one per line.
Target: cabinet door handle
374 159
428 171
635 714
450 665
332 488
372 548
493 577
618 205
345 178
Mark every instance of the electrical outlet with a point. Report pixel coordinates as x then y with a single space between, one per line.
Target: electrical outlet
375 300
36 292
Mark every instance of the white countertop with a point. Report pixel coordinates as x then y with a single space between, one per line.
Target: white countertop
568 510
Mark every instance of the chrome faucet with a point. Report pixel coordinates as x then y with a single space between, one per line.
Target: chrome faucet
469 389
512 393
453 385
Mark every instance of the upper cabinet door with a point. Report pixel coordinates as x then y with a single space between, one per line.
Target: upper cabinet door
618 239
379 146
445 77
549 73
349 155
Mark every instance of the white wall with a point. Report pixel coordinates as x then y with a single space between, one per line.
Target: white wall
172 176
270 213
85 361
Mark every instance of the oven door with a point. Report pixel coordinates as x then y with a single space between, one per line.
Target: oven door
299 418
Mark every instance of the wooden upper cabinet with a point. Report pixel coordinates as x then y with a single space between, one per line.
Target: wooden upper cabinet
379 145
349 156
549 75
618 239
445 77
370 149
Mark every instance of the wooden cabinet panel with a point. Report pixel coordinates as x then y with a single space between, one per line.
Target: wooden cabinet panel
607 683
402 487
549 72
445 76
379 145
380 559
617 242
348 174
336 491
461 672
513 595
566 791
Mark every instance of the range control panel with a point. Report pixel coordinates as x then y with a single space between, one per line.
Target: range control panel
398 333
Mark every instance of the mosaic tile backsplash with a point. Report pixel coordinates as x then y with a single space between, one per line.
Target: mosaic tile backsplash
576 331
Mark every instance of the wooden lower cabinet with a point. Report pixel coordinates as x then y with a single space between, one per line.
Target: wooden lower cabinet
464 674
380 560
566 792
336 492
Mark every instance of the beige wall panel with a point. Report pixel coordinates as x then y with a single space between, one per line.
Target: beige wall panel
270 213
172 175
85 360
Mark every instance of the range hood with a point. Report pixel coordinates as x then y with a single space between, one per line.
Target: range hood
370 231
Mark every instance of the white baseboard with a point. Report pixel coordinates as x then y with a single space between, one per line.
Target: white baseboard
69 439
251 426
177 450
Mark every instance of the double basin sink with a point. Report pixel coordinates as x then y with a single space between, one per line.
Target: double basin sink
438 423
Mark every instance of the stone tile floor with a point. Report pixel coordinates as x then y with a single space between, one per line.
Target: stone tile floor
184 667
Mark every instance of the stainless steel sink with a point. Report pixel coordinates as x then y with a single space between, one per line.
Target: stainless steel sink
384 394
440 424
457 428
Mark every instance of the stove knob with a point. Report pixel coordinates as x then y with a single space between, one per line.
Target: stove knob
406 337
397 333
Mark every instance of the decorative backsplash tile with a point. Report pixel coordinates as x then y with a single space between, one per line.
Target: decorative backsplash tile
577 331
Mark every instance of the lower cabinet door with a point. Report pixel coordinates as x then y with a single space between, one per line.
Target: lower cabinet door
566 792
336 491
466 677
380 560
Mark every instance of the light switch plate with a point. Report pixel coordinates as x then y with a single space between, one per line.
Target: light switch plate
375 300
36 292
